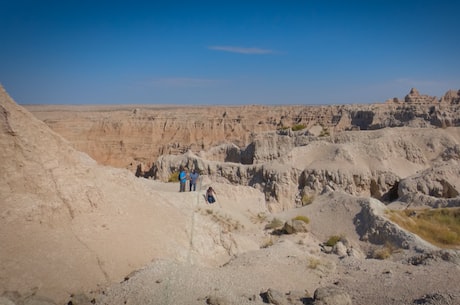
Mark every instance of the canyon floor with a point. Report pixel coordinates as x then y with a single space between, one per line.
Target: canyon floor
75 231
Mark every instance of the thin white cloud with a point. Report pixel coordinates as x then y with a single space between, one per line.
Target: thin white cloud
183 82
241 50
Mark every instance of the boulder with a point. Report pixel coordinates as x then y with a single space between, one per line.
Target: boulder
340 249
295 226
275 297
331 295
440 181
437 299
373 226
217 300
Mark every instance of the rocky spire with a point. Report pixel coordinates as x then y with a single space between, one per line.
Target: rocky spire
414 97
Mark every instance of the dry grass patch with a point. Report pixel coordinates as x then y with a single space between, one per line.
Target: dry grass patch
274 224
267 243
381 254
385 252
298 127
440 227
295 127
174 177
225 221
302 218
259 218
325 132
334 239
313 262
306 199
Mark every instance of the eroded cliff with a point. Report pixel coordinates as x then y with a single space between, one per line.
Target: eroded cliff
134 137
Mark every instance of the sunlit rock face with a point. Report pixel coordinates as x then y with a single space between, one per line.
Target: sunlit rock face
135 136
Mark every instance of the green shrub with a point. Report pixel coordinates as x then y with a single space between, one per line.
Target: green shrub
259 218
333 240
298 127
302 218
385 252
267 243
174 177
382 253
283 128
313 263
324 132
306 199
275 223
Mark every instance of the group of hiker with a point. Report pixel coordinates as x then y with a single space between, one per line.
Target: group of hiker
184 176
192 178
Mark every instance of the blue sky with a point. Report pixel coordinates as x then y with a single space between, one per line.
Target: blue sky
227 52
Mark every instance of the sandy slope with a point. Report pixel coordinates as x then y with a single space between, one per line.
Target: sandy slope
69 225
294 266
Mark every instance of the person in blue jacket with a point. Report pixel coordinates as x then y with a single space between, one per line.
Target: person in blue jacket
182 180
193 179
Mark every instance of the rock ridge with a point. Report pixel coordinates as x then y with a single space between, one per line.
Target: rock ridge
134 137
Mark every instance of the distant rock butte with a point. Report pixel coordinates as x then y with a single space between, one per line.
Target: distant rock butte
135 136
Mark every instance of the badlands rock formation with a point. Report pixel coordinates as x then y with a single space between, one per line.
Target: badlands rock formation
76 231
265 151
371 163
69 224
135 136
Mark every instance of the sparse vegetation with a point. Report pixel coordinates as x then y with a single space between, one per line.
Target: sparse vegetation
384 252
274 223
324 132
267 243
298 127
313 262
333 240
259 218
174 177
226 222
302 218
381 254
307 199
295 127
237 225
440 227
